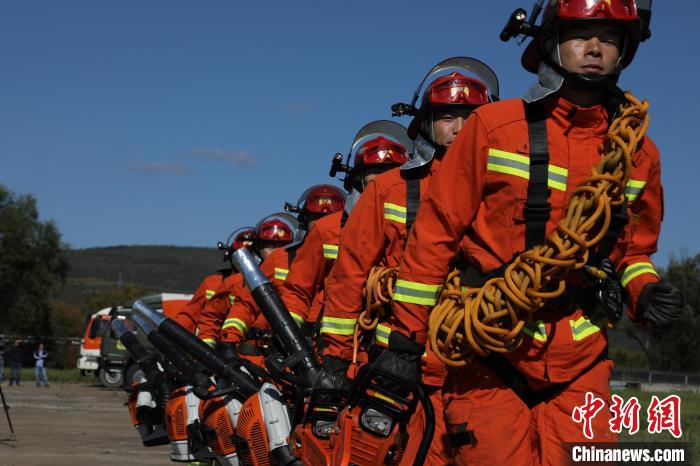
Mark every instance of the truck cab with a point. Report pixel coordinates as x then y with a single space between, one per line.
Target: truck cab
92 339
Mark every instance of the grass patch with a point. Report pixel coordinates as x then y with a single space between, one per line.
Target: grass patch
53 375
690 419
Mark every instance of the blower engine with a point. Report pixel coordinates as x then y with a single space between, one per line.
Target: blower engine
263 429
311 437
181 417
219 417
147 396
371 430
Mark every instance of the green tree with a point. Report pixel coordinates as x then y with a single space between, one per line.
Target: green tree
67 320
32 264
113 296
677 347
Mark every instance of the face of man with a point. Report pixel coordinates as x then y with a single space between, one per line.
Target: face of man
590 49
266 248
373 171
446 124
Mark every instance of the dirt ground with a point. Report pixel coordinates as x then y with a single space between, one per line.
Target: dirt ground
70 424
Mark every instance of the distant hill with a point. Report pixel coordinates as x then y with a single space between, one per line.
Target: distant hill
156 268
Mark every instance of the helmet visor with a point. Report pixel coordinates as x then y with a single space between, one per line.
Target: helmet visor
458 89
243 239
613 9
324 203
275 230
378 151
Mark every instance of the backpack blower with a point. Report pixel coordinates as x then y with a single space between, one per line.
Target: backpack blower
312 425
371 431
183 408
260 428
148 397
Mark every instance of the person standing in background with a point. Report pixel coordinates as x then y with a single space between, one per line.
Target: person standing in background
14 358
40 356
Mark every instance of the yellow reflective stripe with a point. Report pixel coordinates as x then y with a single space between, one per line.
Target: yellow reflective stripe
231 299
394 212
209 341
238 323
209 293
633 271
382 333
297 318
536 330
281 274
518 165
338 325
330 251
416 293
634 188
583 327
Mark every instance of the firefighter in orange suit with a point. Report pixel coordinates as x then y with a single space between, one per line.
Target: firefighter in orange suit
215 309
244 316
517 408
380 148
375 234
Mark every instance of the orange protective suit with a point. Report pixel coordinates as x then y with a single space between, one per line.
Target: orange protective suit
302 291
245 314
477 198
375 234
189 314
212 317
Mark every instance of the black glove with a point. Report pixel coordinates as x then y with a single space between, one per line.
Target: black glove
402 358
610 295
228 352
334 374
661 303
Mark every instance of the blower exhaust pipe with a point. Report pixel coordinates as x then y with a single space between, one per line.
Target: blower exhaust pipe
198 350
299 355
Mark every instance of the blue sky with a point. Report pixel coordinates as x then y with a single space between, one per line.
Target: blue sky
176 122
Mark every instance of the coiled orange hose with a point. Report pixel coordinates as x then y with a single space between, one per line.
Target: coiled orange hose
477 321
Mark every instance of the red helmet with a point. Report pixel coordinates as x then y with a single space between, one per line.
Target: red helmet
321 199
558 12
279 227
379 151
242 238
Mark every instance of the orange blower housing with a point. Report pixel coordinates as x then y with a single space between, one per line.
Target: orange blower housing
219 417
146 415
311 438
371 430
181 415
251 436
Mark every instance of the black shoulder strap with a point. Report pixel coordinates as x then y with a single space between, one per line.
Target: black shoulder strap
412 198
537 208
343 219
291 254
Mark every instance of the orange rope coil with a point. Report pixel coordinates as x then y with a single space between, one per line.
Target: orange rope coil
477 321
379 291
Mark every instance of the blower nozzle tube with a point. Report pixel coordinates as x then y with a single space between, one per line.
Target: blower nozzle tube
171 352
198 349
144 360
299 355
129 340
